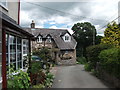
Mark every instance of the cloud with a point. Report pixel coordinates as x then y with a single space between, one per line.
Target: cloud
53 27
66 14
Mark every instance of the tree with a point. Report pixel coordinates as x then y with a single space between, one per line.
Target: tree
98 39
85 34
112 34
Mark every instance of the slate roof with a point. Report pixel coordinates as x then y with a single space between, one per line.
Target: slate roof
56 34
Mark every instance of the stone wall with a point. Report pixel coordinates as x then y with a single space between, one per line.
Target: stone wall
71 60
37 45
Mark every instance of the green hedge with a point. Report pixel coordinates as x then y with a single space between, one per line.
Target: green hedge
92 53
110 61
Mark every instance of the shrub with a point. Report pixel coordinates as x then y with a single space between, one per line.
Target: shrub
36 73
88 66
92 53
81 60
39 86
20 80
110 61
49 79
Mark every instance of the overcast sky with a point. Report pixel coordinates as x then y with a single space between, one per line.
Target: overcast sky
64 14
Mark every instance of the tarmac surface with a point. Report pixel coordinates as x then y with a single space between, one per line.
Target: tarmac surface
75 77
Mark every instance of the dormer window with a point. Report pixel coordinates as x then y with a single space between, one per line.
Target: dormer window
49 39
67 37
39 39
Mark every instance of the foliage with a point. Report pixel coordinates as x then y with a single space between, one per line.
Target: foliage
39 86
98 39
84 33
18 80
25 61
110 61
49 79
112 35
88 66
95 72
92 53
36 67
36 73
81 60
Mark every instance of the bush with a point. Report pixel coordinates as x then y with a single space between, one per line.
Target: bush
92 53
88 66
81 60
20 80
49 79
36 73
110 61
39 86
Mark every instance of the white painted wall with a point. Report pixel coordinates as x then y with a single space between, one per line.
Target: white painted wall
11 9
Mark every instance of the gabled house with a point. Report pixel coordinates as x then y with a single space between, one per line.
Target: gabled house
60 41
15 43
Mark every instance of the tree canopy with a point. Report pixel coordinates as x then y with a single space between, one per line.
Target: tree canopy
112 34
85 34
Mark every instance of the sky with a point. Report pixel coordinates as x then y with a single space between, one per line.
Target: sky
63 14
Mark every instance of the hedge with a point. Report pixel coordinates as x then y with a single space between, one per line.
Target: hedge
110 61
92 53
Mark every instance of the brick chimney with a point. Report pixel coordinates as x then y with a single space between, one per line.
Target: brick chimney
32 24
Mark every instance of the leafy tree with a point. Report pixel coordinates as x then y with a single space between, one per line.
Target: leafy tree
85 34
98 39
112 34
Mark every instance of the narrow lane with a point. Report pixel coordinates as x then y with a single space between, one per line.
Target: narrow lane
75 77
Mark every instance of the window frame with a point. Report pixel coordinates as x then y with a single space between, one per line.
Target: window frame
49 39
17 60
39 39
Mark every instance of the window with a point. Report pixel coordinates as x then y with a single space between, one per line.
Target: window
48 39
25 47
66 38
19 53
13 51
3 3
12 45
25 53
39 39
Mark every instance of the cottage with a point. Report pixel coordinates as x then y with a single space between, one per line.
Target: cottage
60 41
14 41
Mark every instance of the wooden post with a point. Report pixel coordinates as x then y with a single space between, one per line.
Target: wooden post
4 78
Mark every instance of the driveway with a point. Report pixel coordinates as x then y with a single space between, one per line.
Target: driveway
75 77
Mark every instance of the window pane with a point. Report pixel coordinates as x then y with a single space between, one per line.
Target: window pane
20 64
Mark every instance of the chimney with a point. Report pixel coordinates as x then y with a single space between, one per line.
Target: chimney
32 24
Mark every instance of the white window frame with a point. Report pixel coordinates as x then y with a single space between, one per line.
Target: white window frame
39 39
67 36
49 39
16 53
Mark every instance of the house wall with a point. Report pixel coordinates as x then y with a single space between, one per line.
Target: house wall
57 55
68 58
11 9
38 45
0 49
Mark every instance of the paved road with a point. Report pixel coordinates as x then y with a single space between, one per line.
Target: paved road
75 77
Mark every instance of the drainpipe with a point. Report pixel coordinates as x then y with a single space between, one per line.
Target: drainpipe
18 12
4 78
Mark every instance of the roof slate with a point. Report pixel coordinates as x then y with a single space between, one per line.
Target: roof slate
56 35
